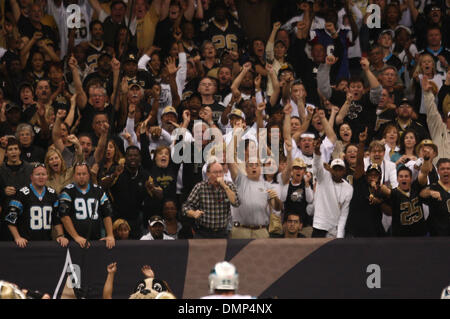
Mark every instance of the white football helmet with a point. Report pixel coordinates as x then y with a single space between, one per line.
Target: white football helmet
223 276
446 293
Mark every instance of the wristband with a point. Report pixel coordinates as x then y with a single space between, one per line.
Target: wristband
62 235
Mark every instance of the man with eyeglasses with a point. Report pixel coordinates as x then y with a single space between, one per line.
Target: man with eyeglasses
31 214
81 204
251 218
210 204
293 226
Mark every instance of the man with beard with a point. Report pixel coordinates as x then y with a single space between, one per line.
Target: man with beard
437 196
96 45
81 205
404 121
129 186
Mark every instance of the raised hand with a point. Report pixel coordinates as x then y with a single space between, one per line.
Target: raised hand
365 64
177 34
331 59
112 268
73 63
115 64
171 66
147 271
317 144
363 136
287 109
276 26
247 66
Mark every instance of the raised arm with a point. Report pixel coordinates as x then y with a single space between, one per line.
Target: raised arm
16 10
275 85
101 146
56 134
237 81
71 115
344 109
425 169
81 95
286 173
359 170
375 87
95 5
173 69
329 132
109 283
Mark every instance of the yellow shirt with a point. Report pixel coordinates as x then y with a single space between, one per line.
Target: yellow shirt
145 29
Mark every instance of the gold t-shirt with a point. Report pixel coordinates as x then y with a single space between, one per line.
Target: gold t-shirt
145 29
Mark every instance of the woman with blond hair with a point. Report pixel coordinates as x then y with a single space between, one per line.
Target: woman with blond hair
426 67
59 175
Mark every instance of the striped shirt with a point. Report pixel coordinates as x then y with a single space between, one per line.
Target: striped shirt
214 202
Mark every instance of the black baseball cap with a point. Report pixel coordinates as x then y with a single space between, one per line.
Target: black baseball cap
11 106
156 219
405 101
374 167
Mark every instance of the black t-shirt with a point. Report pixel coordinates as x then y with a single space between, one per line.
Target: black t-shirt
217 110
33 214
296 202
87 116
32 154
86 209
407 213
439 219
364 220
128 194
361 113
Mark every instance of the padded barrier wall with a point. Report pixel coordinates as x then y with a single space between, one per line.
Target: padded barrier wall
268 268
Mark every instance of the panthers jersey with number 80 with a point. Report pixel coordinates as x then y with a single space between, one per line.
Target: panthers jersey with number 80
87 209
33 214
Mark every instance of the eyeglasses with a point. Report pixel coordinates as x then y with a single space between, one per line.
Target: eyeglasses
36 165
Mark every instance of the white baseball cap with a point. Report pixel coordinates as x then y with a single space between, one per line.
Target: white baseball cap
337 162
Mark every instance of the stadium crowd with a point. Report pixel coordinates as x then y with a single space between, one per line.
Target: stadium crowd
144 119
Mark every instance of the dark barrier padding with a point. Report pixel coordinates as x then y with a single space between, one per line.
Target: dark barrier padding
283 268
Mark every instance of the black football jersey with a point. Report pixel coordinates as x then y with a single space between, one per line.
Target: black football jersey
439 219
229 39
407 213
33 214
92 55
87 209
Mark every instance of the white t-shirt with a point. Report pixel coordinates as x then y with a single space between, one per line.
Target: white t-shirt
60 15
150 237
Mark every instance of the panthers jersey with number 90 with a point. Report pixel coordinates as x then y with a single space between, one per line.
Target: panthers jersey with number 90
33 214
87 209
